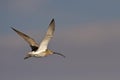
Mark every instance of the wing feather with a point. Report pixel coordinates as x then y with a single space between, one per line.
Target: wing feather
49 34
29 40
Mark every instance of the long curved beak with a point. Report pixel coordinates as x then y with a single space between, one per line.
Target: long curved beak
59 54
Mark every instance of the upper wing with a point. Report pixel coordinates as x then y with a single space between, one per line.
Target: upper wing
49 34
29 40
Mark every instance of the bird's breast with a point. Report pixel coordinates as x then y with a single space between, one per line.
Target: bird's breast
43 53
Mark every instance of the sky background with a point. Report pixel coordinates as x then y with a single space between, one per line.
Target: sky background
87 33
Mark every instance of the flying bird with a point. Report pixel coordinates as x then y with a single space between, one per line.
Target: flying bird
39 50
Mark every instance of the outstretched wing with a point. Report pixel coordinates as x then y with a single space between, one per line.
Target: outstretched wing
29 40
49 34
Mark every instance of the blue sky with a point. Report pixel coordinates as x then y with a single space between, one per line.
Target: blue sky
87 32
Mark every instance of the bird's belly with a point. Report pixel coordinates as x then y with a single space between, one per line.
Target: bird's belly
42 54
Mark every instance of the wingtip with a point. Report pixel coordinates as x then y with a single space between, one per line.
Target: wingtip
52 21
13 28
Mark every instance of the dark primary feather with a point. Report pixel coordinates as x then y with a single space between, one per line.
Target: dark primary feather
34 48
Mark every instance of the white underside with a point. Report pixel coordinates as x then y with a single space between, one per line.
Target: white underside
39 53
